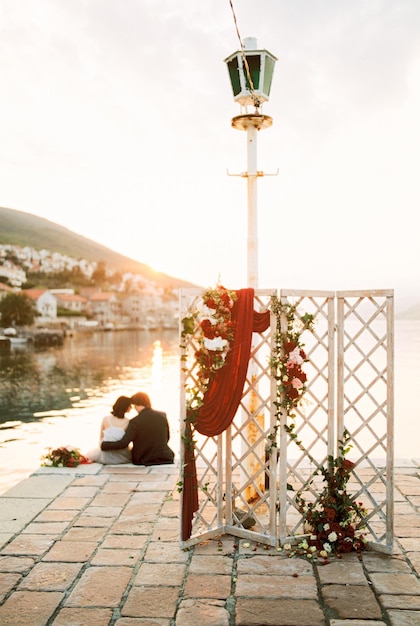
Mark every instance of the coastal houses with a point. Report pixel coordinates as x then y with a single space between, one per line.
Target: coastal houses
70 301
129 300
105 307
14 274
45 302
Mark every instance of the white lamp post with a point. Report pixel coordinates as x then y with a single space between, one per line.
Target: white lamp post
251 72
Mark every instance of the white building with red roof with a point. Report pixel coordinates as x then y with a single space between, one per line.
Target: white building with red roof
105 306
45 302
71 301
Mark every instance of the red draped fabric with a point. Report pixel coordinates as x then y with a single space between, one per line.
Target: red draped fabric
222 397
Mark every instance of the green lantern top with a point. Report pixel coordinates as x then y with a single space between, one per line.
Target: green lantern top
251 85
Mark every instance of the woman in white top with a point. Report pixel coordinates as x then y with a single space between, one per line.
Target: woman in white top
113 429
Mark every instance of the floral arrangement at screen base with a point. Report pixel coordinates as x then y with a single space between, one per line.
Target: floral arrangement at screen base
335 519
211 325
65 456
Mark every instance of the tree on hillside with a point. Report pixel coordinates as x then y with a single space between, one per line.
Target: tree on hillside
57 280
116 278
17 309
99 276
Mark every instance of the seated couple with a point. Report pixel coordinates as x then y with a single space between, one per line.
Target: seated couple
148 432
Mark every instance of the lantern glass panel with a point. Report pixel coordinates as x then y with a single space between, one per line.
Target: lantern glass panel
254 64
234 75
268 74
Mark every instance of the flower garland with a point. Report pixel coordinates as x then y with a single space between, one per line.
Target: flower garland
65 456
211 324
287 361
211 327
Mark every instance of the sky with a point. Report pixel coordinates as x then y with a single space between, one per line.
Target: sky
115 122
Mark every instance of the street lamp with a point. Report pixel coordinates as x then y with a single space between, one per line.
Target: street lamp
251 73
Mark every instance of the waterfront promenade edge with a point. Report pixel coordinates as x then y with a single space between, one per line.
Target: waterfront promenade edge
99 546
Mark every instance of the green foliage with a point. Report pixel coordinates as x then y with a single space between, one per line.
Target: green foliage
57 280
71 279
188 325
17 310
62 312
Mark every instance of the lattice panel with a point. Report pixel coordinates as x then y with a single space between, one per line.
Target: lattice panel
252 490
365 402
314 422
208 450
232 469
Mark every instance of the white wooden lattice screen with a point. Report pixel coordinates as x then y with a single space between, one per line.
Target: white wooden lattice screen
349 386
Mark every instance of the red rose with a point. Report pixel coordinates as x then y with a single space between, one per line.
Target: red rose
330 514
349 531
226 299
345 546
210 303
208 329
348 465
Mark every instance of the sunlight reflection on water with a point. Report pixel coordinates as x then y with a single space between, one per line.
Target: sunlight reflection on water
23 441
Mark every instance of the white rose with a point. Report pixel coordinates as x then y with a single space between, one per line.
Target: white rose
207 313
294 357
215 344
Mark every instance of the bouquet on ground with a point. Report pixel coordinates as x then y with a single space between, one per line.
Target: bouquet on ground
336 519
66 456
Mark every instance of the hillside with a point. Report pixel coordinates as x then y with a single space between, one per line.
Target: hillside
24 229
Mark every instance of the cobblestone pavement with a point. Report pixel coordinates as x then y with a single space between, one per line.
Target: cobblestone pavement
99 546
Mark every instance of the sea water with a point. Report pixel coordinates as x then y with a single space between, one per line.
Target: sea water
59 396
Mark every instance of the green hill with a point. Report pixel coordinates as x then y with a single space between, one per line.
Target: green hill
24 229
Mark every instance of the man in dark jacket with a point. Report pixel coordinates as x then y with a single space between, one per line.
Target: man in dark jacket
149 432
